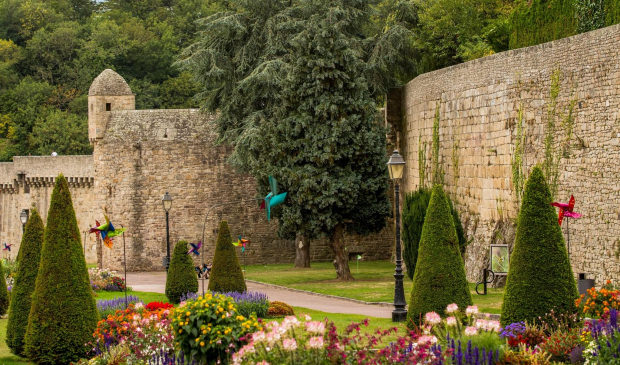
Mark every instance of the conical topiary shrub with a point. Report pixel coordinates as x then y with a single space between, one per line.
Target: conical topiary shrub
63 314
439 277
226 274
181 278
4 294
540 277
27 268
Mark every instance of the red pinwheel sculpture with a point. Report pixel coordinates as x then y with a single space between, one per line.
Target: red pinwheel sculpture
566 210
7 247
107 231
241 242
195 248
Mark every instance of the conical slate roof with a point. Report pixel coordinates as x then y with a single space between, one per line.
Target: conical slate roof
109 83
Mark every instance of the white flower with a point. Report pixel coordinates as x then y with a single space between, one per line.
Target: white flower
452 308
432 318
472 309
289 344
451 321
315 327
315 342
471 331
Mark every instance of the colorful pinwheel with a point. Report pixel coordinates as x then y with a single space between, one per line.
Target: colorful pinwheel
107 231
241 242
273 198
7 247
202 271
566 210
195 248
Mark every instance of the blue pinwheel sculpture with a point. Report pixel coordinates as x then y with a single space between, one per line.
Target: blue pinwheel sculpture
107 231
195 248
273 198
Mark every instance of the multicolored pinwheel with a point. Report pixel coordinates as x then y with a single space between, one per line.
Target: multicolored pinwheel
195 248
203 271
107 231
241 242
273 198
7 247
566 210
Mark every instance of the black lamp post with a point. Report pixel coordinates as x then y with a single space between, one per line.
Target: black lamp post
167 203
23 217
396 165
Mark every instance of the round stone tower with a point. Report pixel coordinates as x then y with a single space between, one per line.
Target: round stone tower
108 92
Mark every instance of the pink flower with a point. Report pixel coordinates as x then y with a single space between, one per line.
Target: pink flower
315 342
471 331
452 308
289 344
262 363
432 318
472 309
307 317
427 339
451 321
315 327
258 336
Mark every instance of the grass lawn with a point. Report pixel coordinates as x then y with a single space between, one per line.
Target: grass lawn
146 297
374 282
6 357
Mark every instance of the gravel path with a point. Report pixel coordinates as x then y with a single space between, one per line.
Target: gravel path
156 282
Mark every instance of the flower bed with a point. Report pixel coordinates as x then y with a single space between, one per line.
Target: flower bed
104 279
110 306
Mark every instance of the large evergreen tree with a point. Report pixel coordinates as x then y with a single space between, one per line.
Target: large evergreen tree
540 277
295 84
63 314
27 268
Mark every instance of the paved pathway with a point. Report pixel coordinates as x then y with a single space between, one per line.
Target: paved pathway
156 282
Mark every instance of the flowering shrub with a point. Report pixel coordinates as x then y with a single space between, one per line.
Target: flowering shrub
209 327
153 306
605 345
598 303
110 306
561 343
144 332
520 333
250 302
457 326
188 296
104 279
277 309
523 355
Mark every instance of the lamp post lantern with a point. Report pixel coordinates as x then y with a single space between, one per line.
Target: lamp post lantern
396 165
167 203
23 217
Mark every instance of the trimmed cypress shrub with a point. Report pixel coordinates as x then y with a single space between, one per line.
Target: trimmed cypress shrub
414 211
181 278
26 275
540 277
4 294
63 314
439 277
226 274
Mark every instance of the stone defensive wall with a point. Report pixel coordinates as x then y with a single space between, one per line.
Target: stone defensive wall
145 153
29 180
570 87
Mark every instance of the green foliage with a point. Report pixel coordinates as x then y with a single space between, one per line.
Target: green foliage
278 309
414 211
63 313
421 162
435 157
226 274
517 163
28 266
4 294
181 278
540 277
439 277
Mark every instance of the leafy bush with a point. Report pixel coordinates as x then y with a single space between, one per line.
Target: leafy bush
414 212
226 274
181 277
440 274
249 303
26 275
561 343
524 355
599 302
106 307
540 277
279 309
4 293
208 328
10 266
63 314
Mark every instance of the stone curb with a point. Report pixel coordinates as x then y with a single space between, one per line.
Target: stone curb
382 304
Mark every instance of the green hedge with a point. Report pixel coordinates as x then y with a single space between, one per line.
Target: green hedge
4 294
63 315
226 274
26 275
181 278
540 277
439 277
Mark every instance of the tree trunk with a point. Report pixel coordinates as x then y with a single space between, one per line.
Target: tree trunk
302 252
341 258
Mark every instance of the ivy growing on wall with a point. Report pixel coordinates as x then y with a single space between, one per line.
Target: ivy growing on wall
518 169
455 162
435 158
422 162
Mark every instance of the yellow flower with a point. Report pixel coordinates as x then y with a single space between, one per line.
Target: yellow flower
197 339
202 343
188 313
223 316
204 332
180 331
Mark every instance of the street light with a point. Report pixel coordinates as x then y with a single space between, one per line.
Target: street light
167 203
23 217
396 165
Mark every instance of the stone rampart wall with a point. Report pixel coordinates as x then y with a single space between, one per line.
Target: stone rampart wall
478 105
